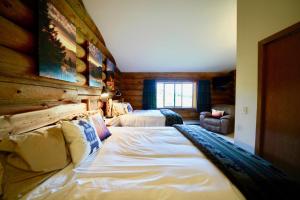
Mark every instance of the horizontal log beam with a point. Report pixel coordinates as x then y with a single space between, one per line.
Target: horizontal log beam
80 66
14 62
80 52
15 37
18 12
80 39
13 92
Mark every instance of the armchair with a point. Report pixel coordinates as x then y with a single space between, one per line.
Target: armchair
224 124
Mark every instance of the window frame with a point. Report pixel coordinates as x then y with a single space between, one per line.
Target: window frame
181 82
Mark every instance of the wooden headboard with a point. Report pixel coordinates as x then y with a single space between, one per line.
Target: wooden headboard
20 123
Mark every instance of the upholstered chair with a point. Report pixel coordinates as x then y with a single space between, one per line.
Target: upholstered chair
224 124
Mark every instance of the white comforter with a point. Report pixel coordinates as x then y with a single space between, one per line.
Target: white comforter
143 118
141 164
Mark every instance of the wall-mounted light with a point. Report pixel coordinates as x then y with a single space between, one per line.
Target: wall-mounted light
118 93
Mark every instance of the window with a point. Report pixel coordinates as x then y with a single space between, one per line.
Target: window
175 94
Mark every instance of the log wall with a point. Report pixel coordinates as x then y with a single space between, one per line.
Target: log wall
21 89
132 89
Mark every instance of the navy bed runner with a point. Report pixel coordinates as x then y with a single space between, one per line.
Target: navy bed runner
171 117
255 177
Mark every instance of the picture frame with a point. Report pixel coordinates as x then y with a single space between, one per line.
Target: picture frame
110 70
56 44
94 60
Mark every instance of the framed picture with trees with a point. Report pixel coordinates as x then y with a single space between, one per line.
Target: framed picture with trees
94 66
56 44
110 72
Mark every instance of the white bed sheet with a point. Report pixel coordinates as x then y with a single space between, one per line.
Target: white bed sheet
143 118
141 164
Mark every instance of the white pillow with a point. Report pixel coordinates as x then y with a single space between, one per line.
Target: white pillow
39 150
82 139
118 109
217 113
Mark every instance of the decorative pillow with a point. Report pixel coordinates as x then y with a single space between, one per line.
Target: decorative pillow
82 139
217 113
100 126
128 108
40 150
118 109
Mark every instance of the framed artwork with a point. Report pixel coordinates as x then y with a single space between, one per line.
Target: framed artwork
110 69
56 44
110 85
94 66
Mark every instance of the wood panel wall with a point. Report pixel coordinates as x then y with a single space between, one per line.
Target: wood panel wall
132 89
21 89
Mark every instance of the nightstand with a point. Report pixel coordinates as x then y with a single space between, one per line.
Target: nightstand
114 121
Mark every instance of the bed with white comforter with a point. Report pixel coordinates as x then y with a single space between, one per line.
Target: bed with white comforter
142 118
150 163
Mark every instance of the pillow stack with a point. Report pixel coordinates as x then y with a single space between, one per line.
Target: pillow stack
121 108
34 156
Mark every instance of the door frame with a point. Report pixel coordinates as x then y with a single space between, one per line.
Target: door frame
261 82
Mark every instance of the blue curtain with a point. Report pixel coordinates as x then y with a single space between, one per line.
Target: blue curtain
149 94
203 96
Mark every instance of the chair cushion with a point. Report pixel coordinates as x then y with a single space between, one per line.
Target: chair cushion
212 121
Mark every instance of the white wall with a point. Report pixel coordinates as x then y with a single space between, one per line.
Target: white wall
168 35
256 20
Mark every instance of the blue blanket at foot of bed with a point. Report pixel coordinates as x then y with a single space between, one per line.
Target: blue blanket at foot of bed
255 177
171 117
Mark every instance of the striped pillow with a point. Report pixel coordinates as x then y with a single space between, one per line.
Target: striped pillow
100 126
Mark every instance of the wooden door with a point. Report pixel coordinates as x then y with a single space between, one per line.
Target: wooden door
278 122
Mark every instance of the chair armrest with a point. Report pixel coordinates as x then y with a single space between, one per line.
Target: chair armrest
205 114
227 124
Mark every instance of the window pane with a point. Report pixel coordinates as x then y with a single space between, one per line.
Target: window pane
160 95
178 95
169 94
187 95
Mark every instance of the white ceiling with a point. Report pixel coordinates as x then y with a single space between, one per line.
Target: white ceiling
168 35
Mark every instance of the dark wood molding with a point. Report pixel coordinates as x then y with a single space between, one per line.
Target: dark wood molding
261 84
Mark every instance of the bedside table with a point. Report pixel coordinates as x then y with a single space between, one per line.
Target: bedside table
114 121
